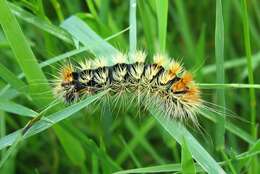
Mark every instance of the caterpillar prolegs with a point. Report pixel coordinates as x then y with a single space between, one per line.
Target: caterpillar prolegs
163 83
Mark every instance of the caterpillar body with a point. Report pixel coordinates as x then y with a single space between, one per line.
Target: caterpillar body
163 83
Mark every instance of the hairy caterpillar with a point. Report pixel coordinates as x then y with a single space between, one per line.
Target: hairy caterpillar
163 83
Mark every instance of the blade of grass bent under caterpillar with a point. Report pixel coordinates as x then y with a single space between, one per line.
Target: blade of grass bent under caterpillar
55 118
178 131
254 150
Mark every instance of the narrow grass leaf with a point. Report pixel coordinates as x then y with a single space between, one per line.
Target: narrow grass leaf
11 78
187 163
57 7
11 150
130 152
147 24
91 7
83 33
153 169
162 17
12 107
71 146
219 53
236 62
92 148
200 55
134 142
229 126
24 56
40 23
227 85
55 118
183 25
178 131
94 164
254 150
249 67
132 31
137 134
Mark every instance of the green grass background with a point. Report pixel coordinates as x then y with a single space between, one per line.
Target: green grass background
219 41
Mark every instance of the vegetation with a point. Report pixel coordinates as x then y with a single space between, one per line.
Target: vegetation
219 41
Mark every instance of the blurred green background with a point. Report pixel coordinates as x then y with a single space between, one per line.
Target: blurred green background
101 140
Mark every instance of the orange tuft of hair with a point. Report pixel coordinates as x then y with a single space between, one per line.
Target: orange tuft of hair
66 73
183 82
192 95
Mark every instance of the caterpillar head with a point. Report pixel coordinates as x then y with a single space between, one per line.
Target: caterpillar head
66 86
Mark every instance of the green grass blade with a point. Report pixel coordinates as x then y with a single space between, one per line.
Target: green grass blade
229 126
153 169
252 95
162 17
94 164
147 24
227 85
219 52
11 78
83 33
254 150
130 152
11 150
184 28
249 67
138 134
24 56
236 62
238 6
40 23
9 106
71 145
55 118
91 7
178 131
92 147
132 32
200 55
134 142
187 163
57 7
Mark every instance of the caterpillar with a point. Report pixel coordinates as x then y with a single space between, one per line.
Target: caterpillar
162 83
